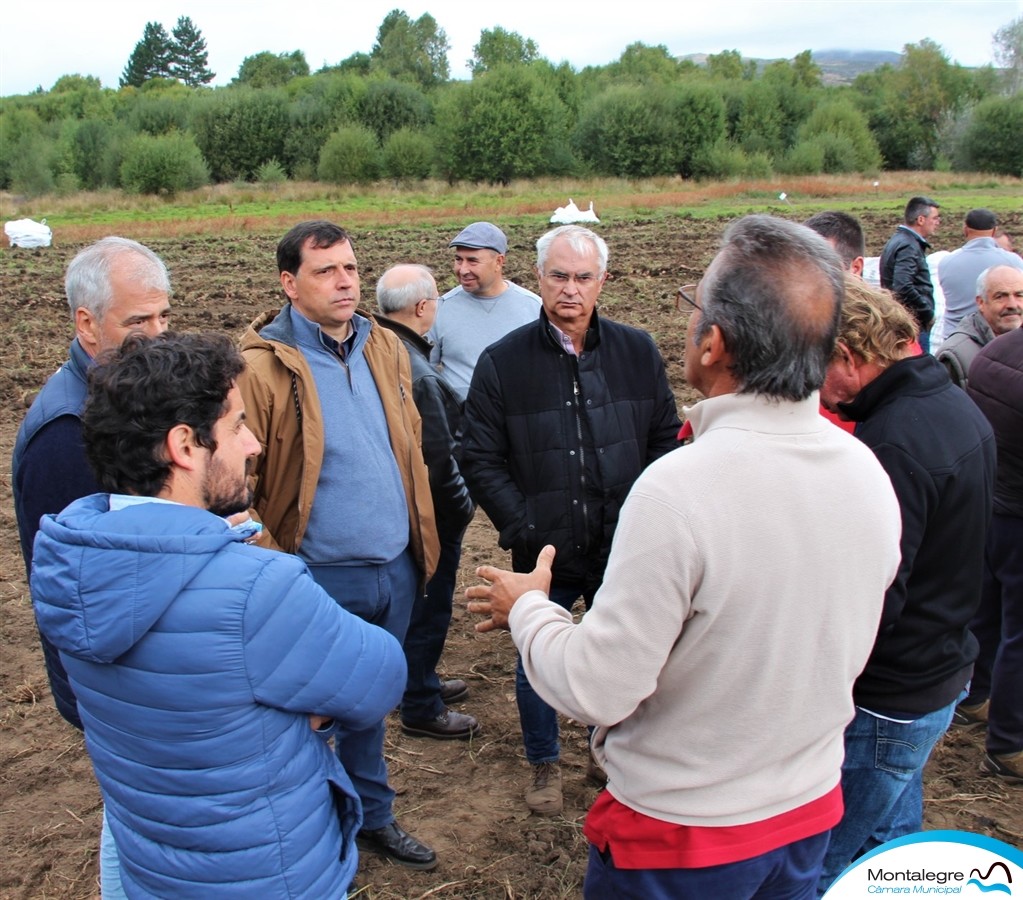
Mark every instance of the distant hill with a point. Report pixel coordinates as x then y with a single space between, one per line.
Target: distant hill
837 66
842 66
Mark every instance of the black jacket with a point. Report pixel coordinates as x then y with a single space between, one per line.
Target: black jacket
553 442
996 386
905 273
442 417
939 451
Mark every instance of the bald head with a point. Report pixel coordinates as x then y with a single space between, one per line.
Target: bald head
408 294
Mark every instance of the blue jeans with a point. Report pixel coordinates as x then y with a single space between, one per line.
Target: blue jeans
427 631
109 865
787 873
381 595
882 784
539 722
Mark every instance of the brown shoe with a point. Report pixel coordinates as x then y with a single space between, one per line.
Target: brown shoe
1007 766
544 797
595 775
969 718
453 691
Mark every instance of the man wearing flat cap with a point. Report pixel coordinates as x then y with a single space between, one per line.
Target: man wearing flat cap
482 309
958 272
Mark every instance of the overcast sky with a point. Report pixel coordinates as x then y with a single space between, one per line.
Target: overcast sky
40 40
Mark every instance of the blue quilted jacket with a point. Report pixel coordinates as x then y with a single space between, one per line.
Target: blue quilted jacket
197 660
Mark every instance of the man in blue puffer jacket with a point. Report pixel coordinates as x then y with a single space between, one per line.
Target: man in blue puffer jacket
208 672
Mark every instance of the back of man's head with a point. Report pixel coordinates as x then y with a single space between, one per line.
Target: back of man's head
403 286
88 280
140 391
318 234
775 291
982 222
843 232
919 206
874 325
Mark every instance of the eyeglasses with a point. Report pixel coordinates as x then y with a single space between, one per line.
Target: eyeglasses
687 294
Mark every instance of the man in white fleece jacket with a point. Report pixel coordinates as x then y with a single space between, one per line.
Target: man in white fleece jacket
741 600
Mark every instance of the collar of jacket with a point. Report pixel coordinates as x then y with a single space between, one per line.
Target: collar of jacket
590 342
921 239
417 340
914 375
275 325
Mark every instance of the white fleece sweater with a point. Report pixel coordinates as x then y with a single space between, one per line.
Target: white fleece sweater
741 601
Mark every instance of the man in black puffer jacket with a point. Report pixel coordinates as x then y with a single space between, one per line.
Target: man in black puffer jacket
561 417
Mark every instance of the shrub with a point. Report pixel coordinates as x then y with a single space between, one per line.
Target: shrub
408 154
163 165
238 130
271 172
992 140
351 155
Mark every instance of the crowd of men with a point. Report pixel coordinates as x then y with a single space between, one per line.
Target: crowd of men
245 557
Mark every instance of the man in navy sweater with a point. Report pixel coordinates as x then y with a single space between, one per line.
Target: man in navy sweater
114 287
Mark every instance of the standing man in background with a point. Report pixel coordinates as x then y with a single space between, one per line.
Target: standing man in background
482 309
903 267
407 300
562 416
341 480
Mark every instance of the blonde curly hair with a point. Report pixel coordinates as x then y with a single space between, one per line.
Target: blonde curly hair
874 325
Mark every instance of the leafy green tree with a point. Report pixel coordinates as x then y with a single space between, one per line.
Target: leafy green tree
325 103
350 156
992 140
357 64
1008 47
159 112
637 132
189 55
163 165
507 123
498 47
411 50
389 105
408 155
644 64
729 65
151 58
840 118
239 130
95 152
266 69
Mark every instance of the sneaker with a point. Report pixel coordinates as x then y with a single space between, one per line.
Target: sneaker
1007 766
969 718
544 797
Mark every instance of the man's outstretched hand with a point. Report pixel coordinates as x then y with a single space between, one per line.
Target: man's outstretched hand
498 596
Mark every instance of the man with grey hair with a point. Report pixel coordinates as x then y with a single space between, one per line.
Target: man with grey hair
999 302
114 287
482 309
407 301
562 415
958 272
718 658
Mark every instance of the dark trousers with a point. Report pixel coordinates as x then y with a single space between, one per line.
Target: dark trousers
787 873
428 629
998 626
381 595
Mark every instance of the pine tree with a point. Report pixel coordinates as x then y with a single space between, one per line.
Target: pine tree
151 57
189 56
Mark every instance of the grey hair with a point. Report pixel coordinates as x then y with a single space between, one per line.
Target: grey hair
767 273
88 275
577 237
395 299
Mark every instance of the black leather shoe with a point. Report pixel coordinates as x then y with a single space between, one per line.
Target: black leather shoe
448 726
395 843
453 691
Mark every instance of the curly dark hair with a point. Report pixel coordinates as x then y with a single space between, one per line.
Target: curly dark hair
140 391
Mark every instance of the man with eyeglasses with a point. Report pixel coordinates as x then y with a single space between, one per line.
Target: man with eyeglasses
562 415
740 602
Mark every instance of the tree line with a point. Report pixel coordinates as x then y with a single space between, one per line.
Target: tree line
395 113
